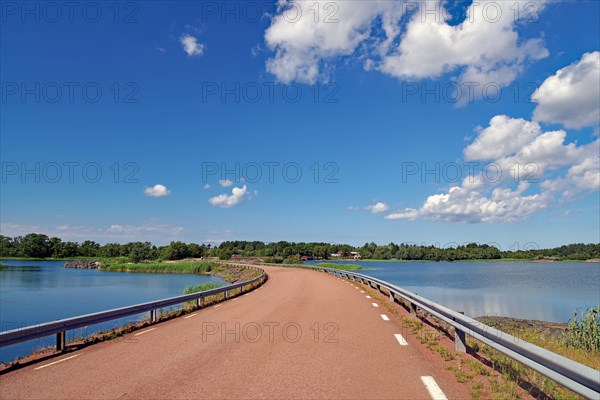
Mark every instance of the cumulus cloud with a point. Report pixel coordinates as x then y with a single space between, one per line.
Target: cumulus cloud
304 42
571 96
495 200
157 191
191 45
206 186
237 197
522 155
483 49
504 136
377 208
406 40
225 182
461 204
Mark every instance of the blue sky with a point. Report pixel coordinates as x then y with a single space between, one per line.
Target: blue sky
362 93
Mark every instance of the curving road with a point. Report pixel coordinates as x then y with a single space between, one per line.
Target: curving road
304 334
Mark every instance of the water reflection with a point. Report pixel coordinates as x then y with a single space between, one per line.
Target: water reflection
543 291
33 292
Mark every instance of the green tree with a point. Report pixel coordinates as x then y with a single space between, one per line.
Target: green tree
35 245
139 251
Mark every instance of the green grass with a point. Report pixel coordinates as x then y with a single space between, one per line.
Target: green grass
584 333
196 267
198 288
342 267
201 288
579 341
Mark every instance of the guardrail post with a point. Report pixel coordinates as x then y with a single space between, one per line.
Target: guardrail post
413 309
460 339
200 302
60 341
152 315
392 299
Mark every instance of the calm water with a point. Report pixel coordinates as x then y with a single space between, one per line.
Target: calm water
542 291
32 292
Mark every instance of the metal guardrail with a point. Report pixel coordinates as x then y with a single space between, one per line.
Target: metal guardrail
60 327
575 376
572 375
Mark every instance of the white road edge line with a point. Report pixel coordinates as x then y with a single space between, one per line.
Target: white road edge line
56 362
432 387
375 304
401 340
142 332
218 305
384 317
190 316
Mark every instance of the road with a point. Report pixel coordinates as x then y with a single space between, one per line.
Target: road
303 334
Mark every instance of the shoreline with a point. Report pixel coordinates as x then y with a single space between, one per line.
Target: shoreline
551 330
108 260
515 260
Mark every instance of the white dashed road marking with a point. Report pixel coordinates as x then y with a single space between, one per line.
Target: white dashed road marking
432 387
401 339
384 317
375 304
190 316
368 297
142 332
56 362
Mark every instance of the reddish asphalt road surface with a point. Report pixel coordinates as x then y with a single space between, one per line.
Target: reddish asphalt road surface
304 335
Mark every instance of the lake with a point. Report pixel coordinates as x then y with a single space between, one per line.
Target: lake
32 292
547 291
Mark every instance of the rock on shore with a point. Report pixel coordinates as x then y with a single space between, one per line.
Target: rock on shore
82 264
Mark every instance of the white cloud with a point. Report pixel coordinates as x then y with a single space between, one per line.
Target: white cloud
504 136
206 186
461 204
377 208
304 41
576 173
482 49
157 191
191 46
225 182
408 213
238 197
571 96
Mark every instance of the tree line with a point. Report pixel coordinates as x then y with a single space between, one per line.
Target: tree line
36 245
